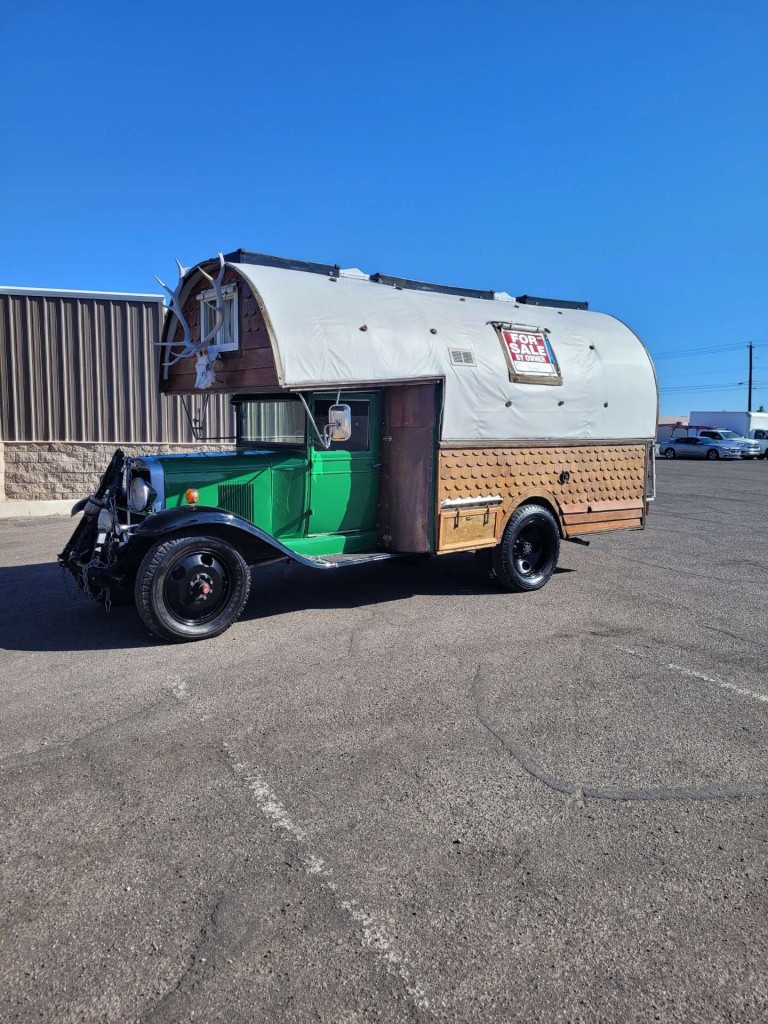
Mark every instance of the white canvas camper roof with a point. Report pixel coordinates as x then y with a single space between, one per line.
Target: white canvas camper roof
328 332
337 330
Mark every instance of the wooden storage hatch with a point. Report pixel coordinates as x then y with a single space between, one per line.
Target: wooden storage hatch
465 525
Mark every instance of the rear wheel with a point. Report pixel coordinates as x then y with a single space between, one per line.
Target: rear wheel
191 588
528 553
670 453
713 454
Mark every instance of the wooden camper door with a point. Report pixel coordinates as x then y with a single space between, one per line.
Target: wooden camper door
407 498
344 481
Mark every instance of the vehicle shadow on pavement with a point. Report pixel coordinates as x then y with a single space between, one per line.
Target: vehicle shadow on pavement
285 588
49 613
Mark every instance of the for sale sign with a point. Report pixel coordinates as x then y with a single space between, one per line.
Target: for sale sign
529 353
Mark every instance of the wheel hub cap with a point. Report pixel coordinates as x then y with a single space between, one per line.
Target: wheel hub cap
529 550
196 587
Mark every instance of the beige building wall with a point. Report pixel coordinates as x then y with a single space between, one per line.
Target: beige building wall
79 378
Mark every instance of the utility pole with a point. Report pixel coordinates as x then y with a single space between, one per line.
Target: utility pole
749 393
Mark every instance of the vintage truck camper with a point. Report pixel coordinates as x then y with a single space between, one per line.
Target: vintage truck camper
376 417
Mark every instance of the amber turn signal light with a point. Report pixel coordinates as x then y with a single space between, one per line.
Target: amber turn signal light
191 496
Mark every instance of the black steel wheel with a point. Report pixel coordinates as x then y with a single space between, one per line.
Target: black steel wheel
528 553
670 453
191 588
713 454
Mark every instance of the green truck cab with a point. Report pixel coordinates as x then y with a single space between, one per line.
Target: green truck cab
376 417
314 500
301 484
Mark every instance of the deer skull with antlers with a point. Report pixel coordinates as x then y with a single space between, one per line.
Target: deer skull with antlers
205 352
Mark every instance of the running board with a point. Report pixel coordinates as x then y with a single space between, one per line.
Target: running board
344 561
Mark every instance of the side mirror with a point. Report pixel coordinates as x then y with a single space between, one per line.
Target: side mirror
339 423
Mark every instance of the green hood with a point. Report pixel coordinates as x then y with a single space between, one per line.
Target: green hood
266 487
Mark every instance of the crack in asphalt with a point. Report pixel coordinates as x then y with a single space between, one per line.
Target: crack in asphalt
200 966
579 790
169 702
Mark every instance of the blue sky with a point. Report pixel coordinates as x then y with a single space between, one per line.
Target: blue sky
604 151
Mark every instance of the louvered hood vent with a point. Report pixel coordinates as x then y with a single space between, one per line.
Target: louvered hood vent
237 498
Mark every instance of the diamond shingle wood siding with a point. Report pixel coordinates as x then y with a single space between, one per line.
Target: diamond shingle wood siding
593 487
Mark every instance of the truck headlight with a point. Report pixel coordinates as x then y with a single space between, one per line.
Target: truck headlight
141 495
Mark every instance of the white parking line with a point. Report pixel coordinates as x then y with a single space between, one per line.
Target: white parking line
375 935
752 694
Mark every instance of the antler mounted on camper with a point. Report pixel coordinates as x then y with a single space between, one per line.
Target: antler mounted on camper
205 352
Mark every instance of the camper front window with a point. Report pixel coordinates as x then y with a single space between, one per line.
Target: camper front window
226 337
271 421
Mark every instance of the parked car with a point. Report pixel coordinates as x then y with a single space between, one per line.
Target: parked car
699 448
761 436
748 448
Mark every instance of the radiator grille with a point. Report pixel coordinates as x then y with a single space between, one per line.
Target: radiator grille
237 498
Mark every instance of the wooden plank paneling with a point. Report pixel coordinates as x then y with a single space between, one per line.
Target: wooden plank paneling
601 517
614 524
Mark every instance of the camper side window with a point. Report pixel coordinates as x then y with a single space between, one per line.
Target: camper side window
227 339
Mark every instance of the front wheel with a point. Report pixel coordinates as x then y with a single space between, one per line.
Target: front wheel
712 454
529 549
191 588
669 453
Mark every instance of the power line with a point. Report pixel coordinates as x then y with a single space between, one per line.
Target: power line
713 387
708 348
694 373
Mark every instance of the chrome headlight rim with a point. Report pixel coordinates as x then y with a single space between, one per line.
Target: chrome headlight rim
140 495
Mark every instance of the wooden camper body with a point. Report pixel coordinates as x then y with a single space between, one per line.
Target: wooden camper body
466 438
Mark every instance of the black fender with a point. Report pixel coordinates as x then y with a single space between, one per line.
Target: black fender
254 544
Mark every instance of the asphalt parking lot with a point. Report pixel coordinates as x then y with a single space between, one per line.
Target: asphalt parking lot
398 794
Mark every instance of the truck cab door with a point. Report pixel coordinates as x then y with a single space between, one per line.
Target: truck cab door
344 480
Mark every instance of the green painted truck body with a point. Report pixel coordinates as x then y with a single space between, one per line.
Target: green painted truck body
314 501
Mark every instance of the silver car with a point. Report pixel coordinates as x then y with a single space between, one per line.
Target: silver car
748 447
699 448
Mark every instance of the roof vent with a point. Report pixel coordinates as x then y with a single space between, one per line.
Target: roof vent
462 357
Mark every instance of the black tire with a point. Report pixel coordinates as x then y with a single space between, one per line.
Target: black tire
670 453
713 454
191 588
529 549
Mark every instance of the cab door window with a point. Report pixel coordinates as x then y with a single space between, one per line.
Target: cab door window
360 438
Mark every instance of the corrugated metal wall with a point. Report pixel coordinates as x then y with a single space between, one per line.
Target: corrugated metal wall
76 368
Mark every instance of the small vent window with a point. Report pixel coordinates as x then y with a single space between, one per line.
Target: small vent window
462 357
227 336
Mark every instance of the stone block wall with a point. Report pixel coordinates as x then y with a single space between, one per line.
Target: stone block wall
38 470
